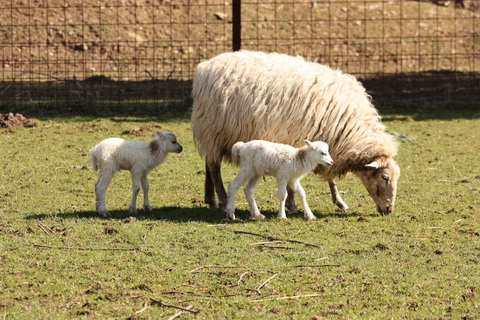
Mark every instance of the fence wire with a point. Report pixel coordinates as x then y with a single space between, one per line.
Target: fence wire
131 54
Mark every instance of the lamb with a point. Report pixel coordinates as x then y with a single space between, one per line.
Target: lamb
289 165
243 96
114 154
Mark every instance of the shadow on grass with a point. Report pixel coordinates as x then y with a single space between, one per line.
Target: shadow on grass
198 214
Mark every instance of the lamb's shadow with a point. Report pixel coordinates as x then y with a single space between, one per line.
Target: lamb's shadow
180 214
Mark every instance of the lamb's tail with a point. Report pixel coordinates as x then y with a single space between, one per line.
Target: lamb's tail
93 160
236 152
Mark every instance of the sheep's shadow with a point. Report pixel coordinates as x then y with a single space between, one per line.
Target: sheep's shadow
199 214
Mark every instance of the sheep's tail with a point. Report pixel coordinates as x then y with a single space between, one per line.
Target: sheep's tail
236 152
93 160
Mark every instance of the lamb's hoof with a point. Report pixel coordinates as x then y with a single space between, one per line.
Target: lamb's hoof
230 215
258 216
310 218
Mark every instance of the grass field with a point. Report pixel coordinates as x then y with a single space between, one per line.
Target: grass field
60 260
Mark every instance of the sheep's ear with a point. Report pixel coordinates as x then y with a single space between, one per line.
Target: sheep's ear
309 143
373 165
157 133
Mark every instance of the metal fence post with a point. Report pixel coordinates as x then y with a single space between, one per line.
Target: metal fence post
236 25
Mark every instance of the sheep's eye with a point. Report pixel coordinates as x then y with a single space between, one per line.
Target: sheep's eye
385 177
324 153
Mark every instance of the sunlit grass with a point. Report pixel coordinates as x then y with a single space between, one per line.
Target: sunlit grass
419 262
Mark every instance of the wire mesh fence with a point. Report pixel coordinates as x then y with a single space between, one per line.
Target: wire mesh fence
133 54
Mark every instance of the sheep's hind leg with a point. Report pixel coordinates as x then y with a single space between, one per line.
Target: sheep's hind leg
297 187
209 198
249 194
145 188
216 178
290 202
136 183
336 198
101 185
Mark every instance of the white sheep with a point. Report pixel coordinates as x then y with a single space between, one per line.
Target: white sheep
243 96
289 165
139 157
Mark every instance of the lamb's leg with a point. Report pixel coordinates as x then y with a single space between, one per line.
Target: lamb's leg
297 187
233 187
282 197
136 184
104 178
336 198
290 203
209 198
216 177
249 194
145 188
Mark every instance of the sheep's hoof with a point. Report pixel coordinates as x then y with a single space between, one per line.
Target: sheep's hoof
258 216
148 208
310 218
105 213
133 210
342 206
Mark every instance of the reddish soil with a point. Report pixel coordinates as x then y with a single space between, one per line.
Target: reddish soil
9 120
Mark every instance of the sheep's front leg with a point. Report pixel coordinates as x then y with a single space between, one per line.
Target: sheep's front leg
282 197
145 188
136 183
297 187
336 198
104 178
249 194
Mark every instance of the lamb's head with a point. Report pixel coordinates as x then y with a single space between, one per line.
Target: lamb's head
320 153
165 141
380 178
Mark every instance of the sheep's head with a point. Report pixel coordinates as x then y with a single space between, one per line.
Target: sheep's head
166 141
321 155
380 178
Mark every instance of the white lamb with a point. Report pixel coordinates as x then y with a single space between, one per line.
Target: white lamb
258 158
114 154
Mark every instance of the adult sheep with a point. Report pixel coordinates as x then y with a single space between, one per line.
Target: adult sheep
243 96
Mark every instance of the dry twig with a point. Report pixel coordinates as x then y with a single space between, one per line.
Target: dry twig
178 314
173 306
45 229
276 239
81 248
289 297
266 281
211 266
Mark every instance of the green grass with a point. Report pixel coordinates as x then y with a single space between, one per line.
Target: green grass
421 262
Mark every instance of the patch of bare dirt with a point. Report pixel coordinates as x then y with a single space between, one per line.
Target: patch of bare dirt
9 120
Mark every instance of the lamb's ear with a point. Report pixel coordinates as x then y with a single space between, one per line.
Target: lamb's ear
373 165
157 134
309 143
